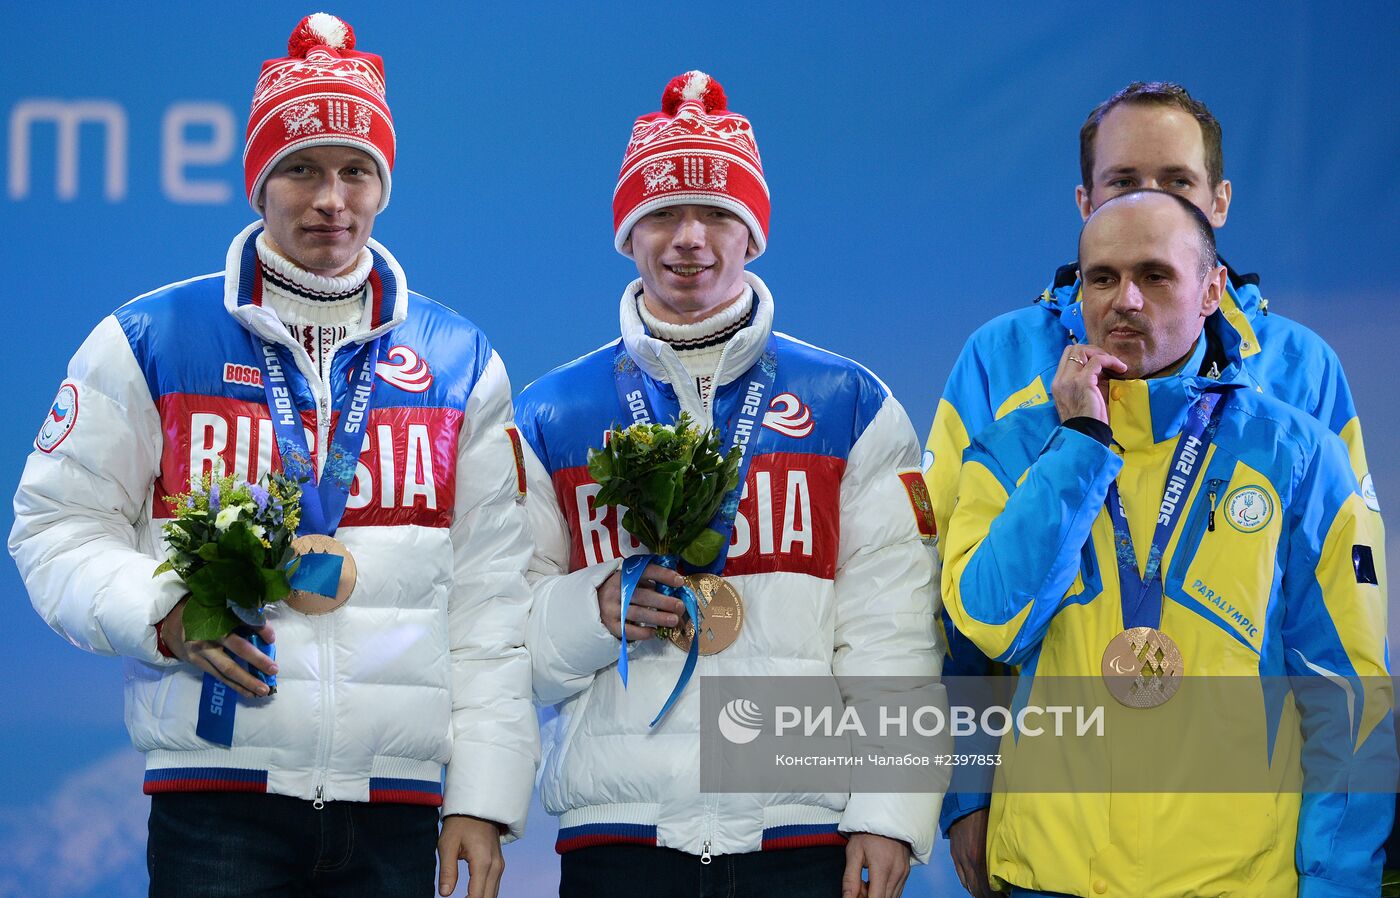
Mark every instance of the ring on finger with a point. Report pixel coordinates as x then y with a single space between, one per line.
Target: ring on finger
1075 358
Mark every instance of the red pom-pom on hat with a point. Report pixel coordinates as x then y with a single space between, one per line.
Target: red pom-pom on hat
320 30
693 85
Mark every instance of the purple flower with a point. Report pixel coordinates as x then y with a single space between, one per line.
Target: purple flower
259 497
189 501
214 495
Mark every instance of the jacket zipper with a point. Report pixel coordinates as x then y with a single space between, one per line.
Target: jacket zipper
327 677
1210 519
1192 533
320 393
711 802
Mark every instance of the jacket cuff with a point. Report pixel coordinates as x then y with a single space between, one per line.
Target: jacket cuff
1317 887
957 805
905 817
572 621
492 783
1091 427
130 621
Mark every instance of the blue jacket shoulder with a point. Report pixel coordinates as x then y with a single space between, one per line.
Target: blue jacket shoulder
567 398
430 323
830 382
173 302
1277 439
1033 325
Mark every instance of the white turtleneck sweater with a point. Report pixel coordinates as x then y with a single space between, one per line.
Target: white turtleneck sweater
320 313
701 345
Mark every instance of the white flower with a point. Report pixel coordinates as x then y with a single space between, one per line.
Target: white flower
259 531
226 516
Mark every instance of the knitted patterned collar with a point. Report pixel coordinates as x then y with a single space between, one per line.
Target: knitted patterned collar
297 281
705 334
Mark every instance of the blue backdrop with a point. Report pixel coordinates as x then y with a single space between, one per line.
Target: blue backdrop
922 159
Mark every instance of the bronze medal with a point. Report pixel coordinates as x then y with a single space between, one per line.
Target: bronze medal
1143 667
721 615
315 603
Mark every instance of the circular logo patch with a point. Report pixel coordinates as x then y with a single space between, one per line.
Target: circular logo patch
58 423
1248 509
1368 493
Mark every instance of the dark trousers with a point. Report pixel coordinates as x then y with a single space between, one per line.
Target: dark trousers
227 844
641 871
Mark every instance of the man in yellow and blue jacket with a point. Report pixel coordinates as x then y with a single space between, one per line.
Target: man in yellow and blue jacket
1148 135
1273 519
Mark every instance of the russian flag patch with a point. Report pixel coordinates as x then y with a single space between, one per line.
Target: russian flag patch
919 501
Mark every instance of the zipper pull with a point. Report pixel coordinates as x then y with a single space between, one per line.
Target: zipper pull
1210 519
705 853
318 804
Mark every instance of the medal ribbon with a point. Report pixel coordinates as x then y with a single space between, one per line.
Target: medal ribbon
322 500
1142 593
323 505
745 429
632 568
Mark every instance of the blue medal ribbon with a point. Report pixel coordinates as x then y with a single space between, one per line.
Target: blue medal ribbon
322 499
217 704
1141 594
632 569
319 572
323 504
744 429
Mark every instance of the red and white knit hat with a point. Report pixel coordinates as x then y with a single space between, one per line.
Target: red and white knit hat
693 151
324 92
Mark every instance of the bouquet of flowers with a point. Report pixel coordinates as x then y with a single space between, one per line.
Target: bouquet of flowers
231 544
672 480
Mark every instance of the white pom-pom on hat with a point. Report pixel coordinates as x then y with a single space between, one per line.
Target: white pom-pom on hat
691 87
320 29
329 27
696 82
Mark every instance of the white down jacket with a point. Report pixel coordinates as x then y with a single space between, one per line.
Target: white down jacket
827 554
418 690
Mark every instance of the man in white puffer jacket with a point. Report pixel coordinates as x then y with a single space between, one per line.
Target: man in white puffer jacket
828 549
413 696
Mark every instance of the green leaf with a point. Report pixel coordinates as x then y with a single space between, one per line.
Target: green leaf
276 585
164 567
638 527
704 548
600 464
211 622
611 494
208 551
227 581
239 541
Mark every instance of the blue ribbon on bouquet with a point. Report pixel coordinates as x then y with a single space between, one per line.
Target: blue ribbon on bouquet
632 569
744 429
